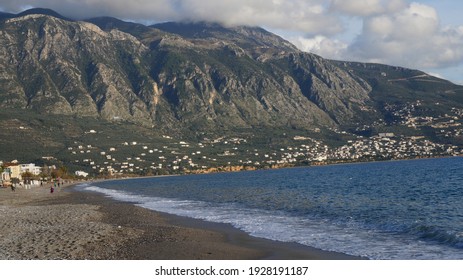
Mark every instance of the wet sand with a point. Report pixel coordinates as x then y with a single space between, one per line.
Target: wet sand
71 225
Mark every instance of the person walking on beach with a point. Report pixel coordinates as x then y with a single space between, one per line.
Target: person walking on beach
52 189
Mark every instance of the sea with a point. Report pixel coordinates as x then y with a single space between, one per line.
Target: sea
396 210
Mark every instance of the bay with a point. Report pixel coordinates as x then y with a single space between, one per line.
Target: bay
383 210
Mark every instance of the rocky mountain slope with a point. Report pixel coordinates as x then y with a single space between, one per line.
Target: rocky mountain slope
171 75
187 78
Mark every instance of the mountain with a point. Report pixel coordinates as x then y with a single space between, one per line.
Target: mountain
222 78
5 15
191 79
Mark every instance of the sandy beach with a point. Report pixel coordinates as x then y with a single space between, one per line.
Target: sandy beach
71 225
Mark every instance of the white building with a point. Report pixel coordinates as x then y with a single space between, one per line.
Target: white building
5 178
81 174
31 168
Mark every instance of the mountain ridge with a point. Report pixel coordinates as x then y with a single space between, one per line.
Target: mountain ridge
246 52
192 79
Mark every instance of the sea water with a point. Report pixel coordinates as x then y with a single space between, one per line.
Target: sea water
384 210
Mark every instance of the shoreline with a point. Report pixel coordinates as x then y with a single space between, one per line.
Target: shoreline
76 225
322 164
273 250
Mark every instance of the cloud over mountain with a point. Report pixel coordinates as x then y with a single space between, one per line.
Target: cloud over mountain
401 32
307 16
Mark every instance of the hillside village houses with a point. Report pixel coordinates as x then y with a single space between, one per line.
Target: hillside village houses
231 153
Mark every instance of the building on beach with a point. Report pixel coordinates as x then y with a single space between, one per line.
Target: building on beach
5 177
14 171
31 168
10 172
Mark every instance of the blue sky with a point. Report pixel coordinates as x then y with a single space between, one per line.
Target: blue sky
420 34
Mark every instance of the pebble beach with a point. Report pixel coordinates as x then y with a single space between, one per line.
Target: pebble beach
68 225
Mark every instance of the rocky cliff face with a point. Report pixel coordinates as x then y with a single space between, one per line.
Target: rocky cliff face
175 76
61 67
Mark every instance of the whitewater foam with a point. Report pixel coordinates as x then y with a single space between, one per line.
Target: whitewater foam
278 225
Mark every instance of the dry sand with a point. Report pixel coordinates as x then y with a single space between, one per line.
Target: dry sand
36 224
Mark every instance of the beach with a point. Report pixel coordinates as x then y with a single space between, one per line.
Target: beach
69 225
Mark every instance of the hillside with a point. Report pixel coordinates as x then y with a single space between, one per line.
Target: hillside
198 80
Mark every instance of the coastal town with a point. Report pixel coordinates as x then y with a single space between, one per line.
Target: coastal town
231 153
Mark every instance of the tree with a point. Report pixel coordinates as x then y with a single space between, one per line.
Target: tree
27 175
46 172
63 170
56 173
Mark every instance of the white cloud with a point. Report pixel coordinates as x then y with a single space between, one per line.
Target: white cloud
307 16
437 75
301 15
321 45
366 7
392 31
412 37
136 9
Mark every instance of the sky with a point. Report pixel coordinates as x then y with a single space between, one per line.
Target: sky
420 34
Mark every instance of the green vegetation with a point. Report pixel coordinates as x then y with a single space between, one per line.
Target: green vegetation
196 97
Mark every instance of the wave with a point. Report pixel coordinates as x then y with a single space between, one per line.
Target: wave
437 235
350 238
